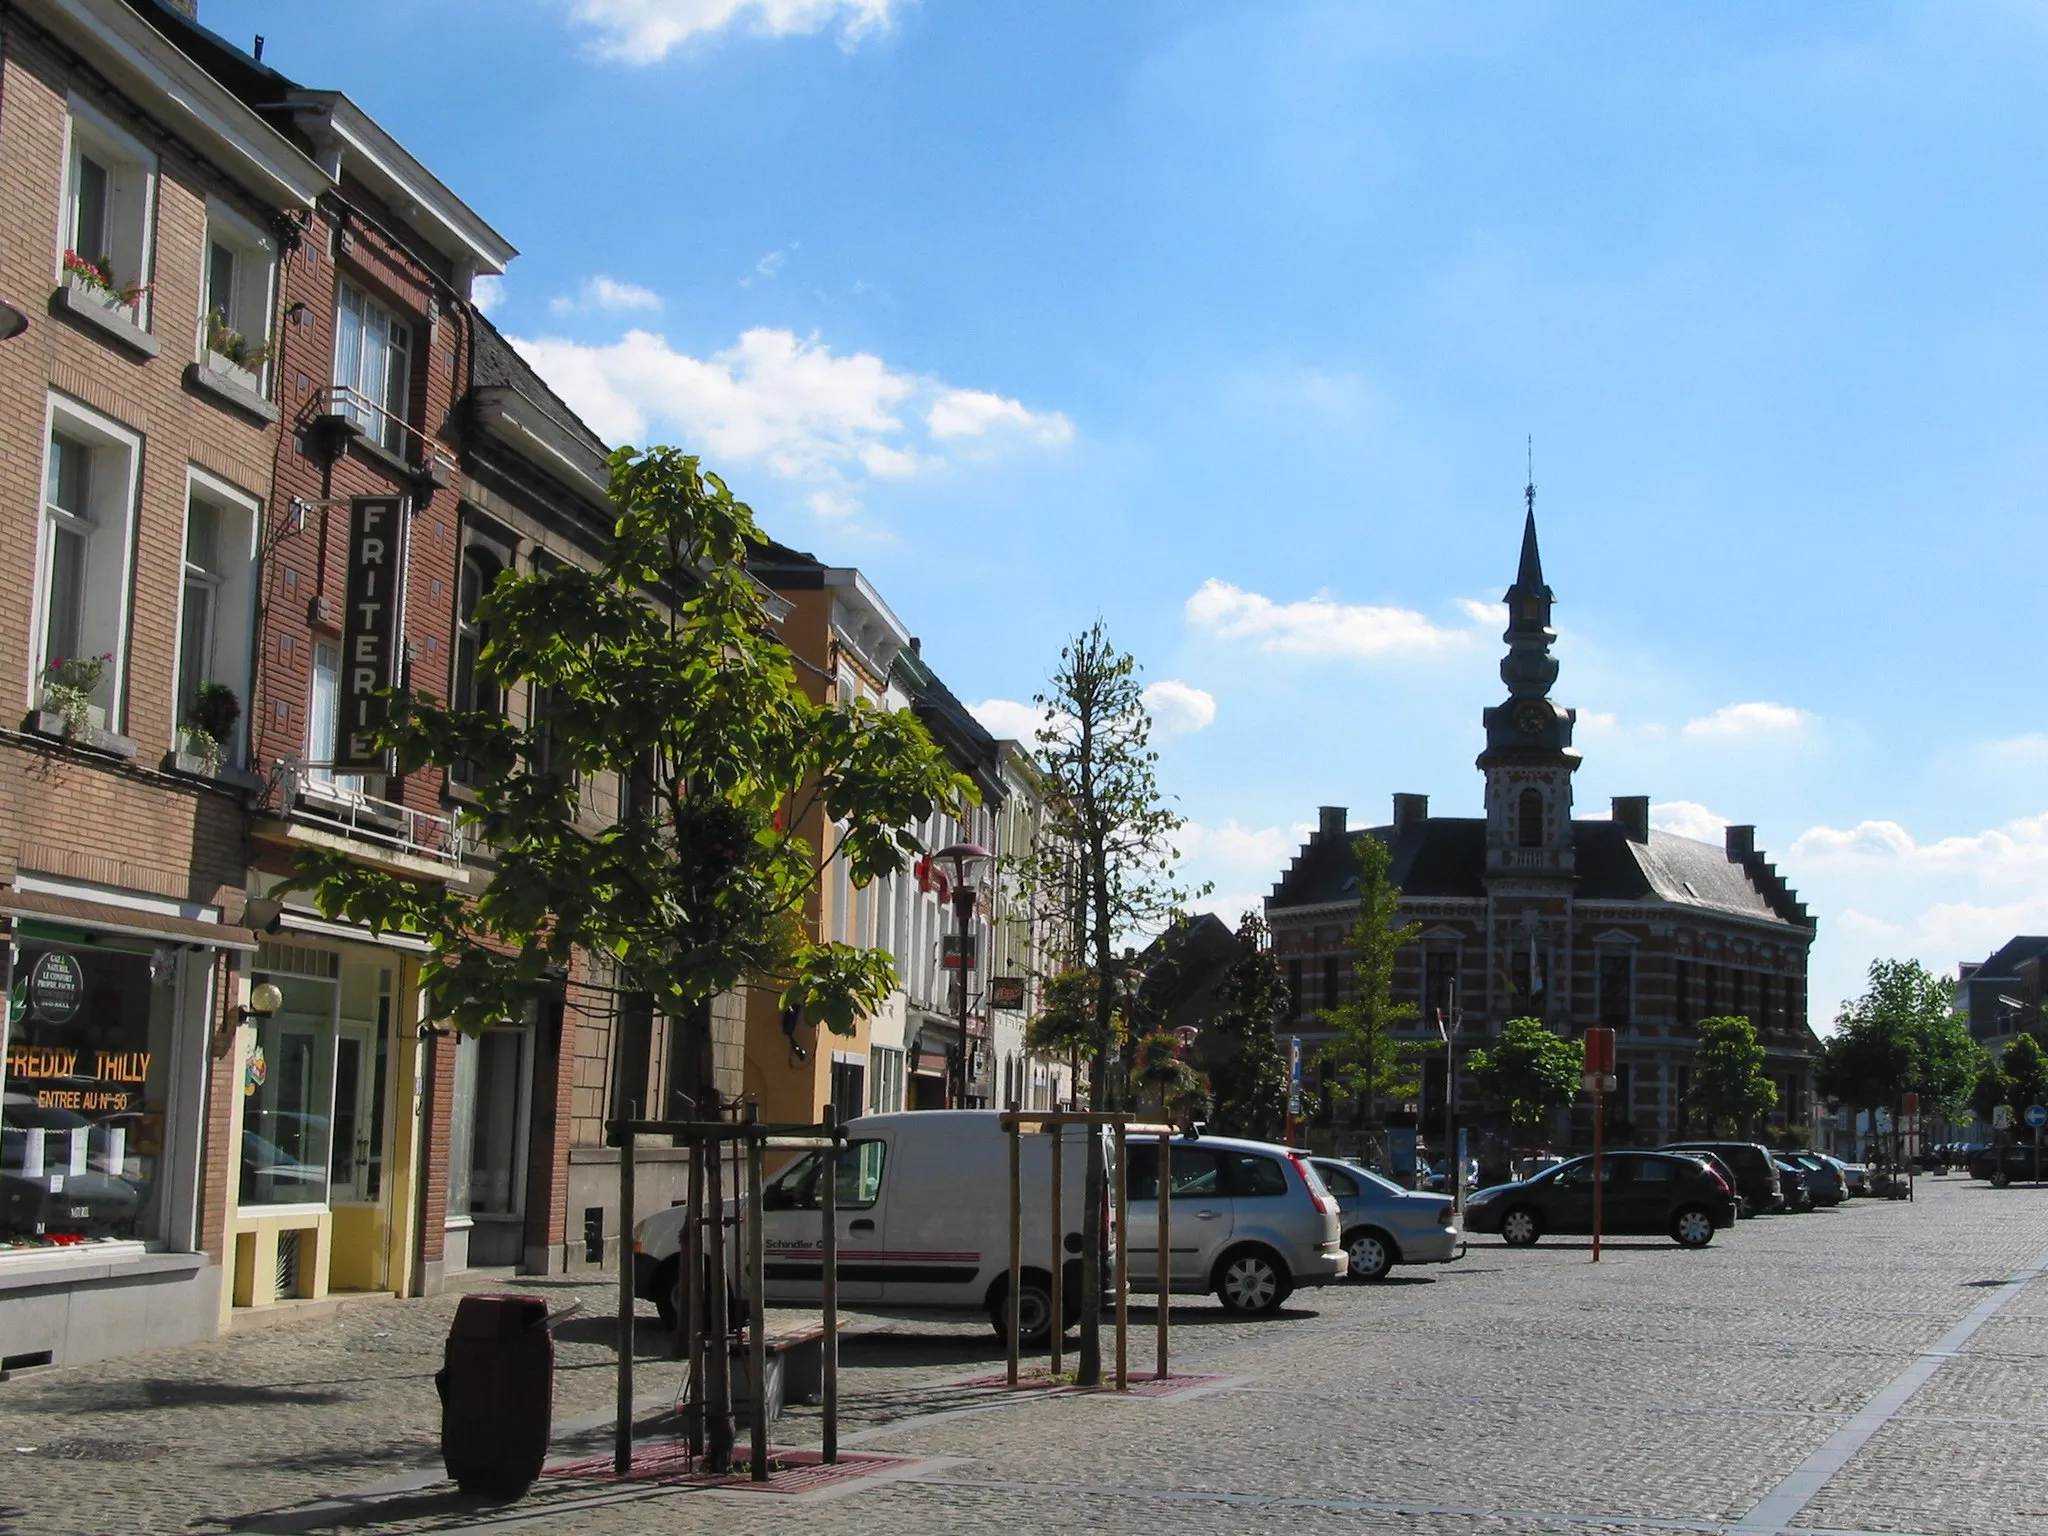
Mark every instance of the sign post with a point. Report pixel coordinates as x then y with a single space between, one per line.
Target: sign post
2037 1116
1599 1068
1293 1084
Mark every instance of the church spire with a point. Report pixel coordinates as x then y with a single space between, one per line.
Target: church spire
1528 721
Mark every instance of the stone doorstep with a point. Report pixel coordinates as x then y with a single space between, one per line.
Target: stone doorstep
307 1309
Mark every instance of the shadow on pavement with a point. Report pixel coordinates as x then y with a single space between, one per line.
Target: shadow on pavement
131 1397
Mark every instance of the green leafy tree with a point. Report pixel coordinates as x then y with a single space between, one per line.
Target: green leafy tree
1901 1036
1160 1071
1991 1089
1730 1090
1365 1059
1106 870
699 887
2026 1075
1528 1074
1238 1051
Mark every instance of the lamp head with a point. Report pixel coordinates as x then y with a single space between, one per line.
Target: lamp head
265 998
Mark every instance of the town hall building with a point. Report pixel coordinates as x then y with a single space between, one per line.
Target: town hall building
1530 911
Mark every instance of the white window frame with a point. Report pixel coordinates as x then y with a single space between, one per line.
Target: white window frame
86 128
234 600
253 303
111 530
371 408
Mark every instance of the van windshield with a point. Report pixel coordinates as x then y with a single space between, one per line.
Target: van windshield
858 1185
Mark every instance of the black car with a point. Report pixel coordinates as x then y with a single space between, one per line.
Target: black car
1756 1172
1797 1186
1727 1175
1823 1179
2003 1165
1642 1193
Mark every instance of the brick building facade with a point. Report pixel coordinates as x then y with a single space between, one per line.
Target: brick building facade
1531 911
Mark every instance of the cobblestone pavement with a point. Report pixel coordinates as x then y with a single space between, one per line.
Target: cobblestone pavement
1878 1368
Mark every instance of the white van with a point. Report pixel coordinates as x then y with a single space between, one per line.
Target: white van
924 1222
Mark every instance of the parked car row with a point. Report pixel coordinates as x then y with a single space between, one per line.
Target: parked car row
1687 1191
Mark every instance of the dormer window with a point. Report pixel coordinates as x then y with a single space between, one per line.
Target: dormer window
1529 819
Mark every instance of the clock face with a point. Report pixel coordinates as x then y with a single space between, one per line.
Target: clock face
1531 718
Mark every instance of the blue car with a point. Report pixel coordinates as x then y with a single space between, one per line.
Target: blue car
1384 1224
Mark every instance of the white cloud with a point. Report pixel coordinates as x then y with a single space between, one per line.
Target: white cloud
487 292
976 412
1597 720
1481 611
1178 708
1688 818
1238 849
644 31
1316 626
607 294
773 397
833 502
1007 720
2016 853
1754 719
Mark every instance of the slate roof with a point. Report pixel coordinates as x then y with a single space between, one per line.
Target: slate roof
1445 856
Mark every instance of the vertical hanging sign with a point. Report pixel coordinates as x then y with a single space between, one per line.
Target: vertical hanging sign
370 626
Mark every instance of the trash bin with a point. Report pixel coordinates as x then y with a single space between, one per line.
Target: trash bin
497 1394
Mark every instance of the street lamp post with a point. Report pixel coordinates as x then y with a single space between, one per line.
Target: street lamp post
963 862
1448 1020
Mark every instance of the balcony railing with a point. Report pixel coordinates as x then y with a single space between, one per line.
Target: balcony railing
318 795
388 430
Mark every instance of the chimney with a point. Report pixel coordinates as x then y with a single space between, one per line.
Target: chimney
1632 815
1409 811
1741 844
1330 820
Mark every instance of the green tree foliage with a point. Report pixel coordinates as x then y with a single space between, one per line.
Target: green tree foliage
1162 1075
1105 868
699 887
1730 1090
1528 1074
1365 1059
1901 1036
1991 1088
2026 1075
1246 1068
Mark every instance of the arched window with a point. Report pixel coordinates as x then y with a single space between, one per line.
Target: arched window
1529 819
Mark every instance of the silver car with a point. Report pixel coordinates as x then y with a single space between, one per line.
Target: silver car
1384 1224
1250 1221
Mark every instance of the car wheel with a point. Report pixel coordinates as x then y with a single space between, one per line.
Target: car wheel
2000 1179
1521 1227
1692 1227
666 1274
1371 1253
1034 1312
1251 1281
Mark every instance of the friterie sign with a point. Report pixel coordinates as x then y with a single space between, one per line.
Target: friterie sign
370 626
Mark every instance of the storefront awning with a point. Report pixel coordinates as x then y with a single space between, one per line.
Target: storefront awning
133 922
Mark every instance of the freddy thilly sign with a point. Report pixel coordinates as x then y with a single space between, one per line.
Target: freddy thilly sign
370 626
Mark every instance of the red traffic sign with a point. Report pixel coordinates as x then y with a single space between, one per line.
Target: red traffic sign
1599 1048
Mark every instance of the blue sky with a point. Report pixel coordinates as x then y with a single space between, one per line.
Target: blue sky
1228 323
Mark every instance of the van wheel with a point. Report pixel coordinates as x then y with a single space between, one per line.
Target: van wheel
666 1275
1034 1310
1252 1282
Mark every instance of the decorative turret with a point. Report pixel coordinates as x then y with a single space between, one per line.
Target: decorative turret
1529 761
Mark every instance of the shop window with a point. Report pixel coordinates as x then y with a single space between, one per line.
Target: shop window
373 368
86 1086
216 623
241 275
110 184
287 1087
88 521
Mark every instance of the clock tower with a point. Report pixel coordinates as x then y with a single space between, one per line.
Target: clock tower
1529 761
